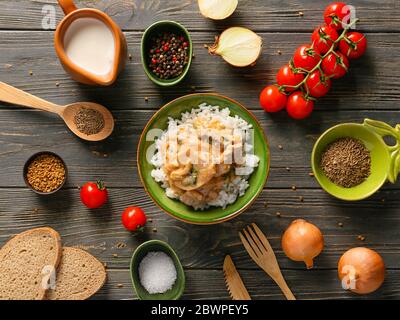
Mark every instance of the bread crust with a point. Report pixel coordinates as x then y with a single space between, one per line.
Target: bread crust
43 230
86 294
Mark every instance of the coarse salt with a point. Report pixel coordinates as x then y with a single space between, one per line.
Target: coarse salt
157 272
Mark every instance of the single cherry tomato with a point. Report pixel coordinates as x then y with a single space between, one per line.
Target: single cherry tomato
318 84
298 107
336 14
272 99
94 195
324 38
289 76
133 218
306 57
335 65
354 46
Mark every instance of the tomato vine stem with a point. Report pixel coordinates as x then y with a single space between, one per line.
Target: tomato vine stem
318 66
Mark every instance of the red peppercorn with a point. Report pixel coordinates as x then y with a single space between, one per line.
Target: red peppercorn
185 44
166 48
157 50
153 61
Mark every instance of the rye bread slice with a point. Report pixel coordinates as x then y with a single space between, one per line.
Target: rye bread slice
26 262
79 276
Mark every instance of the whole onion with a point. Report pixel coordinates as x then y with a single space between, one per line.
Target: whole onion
361 270
302 241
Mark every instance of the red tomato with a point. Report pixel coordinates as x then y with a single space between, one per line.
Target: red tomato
335 65
306 57
354 46
318 84
133 218
298 107
323 38
94 195
337 13
272 99
289 76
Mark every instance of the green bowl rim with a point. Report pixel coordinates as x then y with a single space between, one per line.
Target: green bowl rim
172 251
313 164
156 80
234 214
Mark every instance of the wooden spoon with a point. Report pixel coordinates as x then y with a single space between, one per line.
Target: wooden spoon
13 95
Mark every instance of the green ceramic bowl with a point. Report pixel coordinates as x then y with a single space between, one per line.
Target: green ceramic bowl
156 245
385 160
176 208
162 26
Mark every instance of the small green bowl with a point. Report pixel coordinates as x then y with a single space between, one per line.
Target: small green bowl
157 27
177 209
385 160
156 245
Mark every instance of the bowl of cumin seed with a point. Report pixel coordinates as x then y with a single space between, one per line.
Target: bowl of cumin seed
352 161
45 173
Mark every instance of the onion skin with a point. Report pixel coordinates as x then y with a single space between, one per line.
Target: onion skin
302 241
368 269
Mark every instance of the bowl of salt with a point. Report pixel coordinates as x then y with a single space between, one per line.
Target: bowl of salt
156 272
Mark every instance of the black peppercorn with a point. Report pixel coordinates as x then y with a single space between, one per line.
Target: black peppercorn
168 55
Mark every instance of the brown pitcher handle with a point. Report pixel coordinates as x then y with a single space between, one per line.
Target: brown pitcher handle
67 5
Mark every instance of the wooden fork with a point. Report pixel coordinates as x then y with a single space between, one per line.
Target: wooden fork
259 249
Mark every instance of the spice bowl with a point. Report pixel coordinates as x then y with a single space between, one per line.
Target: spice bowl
31 160
155 246
385 159
151 32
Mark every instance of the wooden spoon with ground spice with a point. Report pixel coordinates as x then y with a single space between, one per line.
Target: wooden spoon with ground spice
89 121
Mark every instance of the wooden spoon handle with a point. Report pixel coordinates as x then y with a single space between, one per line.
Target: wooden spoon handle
13 95
280 281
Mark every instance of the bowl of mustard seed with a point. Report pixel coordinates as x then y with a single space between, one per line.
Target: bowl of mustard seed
45 173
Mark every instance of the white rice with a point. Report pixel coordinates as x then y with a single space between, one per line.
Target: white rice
230 190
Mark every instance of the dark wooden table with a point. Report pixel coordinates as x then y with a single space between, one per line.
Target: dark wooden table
28 61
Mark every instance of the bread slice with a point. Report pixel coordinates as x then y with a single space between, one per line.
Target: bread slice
26 262
79 276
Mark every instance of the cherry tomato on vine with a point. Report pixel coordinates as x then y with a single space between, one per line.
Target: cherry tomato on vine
306 57
298 107
337 13
133 218
94 195
318 84
272 99
289 76
335 65
323 38
354 46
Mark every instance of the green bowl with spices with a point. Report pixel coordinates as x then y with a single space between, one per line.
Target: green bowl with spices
177 209
155 246
153 31
385 159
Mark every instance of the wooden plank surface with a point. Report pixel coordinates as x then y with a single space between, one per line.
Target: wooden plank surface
260 15
369 84
306 285
368 91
